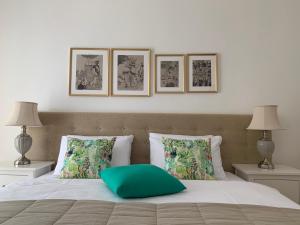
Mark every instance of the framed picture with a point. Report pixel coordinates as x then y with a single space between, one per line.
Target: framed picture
89 72
202 73
169 73
130 72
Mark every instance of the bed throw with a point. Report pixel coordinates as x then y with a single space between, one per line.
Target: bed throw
87 212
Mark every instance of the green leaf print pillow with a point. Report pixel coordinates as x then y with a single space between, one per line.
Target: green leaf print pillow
188 159
86 158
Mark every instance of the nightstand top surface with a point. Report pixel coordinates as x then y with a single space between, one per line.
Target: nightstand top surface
252 169
9 165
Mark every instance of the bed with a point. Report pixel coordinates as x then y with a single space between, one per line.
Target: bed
50 200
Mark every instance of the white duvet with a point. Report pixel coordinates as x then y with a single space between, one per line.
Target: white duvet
233 190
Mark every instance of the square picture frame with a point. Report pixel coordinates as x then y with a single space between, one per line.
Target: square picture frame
202 73
130 71
89 72
170 73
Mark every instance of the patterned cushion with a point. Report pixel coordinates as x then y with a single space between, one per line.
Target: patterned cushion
188 159
86 158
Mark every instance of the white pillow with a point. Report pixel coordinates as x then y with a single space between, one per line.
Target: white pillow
157 157
120 153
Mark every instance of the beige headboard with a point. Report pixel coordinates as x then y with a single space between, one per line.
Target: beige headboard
238 144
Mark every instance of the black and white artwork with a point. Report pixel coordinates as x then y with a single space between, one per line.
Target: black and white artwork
131 72
169 73
202 73
89 71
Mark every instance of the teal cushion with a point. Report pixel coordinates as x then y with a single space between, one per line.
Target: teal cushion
140 181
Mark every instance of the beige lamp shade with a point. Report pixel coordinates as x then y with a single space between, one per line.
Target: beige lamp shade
265 118
25 114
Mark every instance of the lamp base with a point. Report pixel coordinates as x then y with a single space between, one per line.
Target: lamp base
266 164
23 143
265 147
22 161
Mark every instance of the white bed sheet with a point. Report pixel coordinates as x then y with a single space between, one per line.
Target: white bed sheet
233 190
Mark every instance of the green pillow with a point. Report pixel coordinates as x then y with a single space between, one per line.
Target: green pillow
86 158
140 181
188 159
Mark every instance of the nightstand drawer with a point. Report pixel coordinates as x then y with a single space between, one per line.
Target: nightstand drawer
16 173
6 179
289 188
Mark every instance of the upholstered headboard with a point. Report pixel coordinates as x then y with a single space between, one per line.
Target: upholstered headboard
238 146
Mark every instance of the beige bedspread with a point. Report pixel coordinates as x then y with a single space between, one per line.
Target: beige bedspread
67 212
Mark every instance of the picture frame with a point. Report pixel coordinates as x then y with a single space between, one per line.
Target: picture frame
202 75
89 72
170 73
130 71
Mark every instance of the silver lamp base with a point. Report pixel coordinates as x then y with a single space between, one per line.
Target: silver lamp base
265 147
23 143
266 164
22 161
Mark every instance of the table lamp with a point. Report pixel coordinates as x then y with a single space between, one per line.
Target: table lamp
265 118
25 115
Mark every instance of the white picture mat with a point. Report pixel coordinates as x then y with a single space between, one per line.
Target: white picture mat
213 59
180 88
105 54
146 55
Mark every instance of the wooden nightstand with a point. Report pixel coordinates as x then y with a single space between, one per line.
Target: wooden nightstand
9 173
284 178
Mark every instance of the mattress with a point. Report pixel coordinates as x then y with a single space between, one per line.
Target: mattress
230 191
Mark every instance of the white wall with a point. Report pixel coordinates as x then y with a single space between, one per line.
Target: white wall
257 41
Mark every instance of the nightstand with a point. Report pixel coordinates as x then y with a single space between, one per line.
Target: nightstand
283 178
9 173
